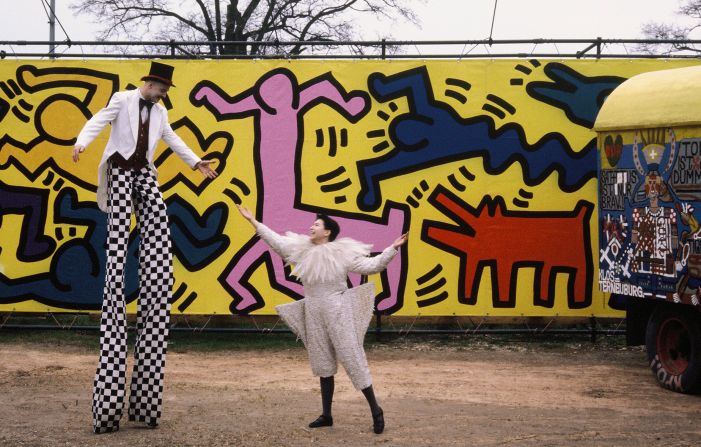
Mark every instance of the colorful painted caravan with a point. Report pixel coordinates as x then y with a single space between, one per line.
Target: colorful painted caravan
649 135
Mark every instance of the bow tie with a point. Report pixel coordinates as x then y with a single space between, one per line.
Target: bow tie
143 102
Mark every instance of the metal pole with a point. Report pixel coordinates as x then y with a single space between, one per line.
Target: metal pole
52 28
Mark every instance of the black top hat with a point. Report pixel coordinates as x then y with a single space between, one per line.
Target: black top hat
161 73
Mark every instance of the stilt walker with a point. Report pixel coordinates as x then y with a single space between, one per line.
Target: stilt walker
127 183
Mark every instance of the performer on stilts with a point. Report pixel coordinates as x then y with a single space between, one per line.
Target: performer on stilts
126 183
331 319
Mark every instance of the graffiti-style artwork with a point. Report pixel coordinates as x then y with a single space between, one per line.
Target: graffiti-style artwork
654 229
579 96
688 288
432 133
489 165
32 203
616 253
490 236
648 227
38 96
278 104
217 146
76 277
47 105
686 176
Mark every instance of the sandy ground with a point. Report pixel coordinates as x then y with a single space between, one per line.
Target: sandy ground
580 395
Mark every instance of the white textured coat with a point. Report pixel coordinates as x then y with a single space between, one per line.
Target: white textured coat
123 113
331 319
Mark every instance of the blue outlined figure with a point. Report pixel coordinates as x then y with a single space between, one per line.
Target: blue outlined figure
76 277
579 96
33 244
197 241
432 133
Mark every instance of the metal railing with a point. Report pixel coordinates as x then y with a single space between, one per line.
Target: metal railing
383 49
393 326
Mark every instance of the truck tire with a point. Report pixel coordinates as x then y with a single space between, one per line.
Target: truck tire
673 341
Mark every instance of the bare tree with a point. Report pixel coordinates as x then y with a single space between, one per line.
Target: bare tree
665 31
251 21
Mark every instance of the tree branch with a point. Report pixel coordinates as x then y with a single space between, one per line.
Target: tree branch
250 21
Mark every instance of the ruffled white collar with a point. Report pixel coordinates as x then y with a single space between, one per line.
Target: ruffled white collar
317 263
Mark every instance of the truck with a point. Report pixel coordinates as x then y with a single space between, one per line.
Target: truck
649 192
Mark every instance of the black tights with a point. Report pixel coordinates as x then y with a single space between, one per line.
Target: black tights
327 387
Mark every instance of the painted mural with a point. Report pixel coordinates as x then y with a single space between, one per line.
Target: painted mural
650 233
489 165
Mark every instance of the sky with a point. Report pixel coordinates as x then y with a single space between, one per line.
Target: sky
440 20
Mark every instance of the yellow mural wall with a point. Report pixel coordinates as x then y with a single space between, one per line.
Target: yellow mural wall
489 165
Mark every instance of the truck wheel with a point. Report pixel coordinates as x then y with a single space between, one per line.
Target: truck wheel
673 341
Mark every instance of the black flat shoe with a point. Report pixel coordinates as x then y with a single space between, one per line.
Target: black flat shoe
322 421
378 422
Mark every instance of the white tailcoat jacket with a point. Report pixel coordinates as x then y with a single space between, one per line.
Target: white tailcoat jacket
123 113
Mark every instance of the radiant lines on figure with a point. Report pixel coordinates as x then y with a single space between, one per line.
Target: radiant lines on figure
432 287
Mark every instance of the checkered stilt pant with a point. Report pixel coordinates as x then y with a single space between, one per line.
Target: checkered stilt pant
134 189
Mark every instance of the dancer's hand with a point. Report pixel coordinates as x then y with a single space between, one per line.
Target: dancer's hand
401 240
204 168
245 213
77 150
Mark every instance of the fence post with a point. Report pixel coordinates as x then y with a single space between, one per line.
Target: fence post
384 48
172 47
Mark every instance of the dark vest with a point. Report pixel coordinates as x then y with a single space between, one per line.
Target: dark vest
138 158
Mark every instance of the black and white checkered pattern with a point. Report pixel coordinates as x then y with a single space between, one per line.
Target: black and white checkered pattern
127 188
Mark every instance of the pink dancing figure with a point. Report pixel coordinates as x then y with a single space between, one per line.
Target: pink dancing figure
278 103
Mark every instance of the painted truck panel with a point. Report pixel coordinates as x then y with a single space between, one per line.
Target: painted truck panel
649 171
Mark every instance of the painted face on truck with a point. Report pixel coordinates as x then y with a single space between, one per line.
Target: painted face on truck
653 185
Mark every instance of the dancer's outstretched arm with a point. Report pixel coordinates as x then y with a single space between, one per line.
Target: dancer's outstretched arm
277 242
247 214
375 264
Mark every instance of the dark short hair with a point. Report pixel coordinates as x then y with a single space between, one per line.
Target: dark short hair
329 224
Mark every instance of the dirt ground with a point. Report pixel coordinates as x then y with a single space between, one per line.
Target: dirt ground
525 395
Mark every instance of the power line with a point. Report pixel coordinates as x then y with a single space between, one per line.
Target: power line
494 15
46 4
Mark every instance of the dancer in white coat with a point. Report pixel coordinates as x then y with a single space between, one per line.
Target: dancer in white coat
331 319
